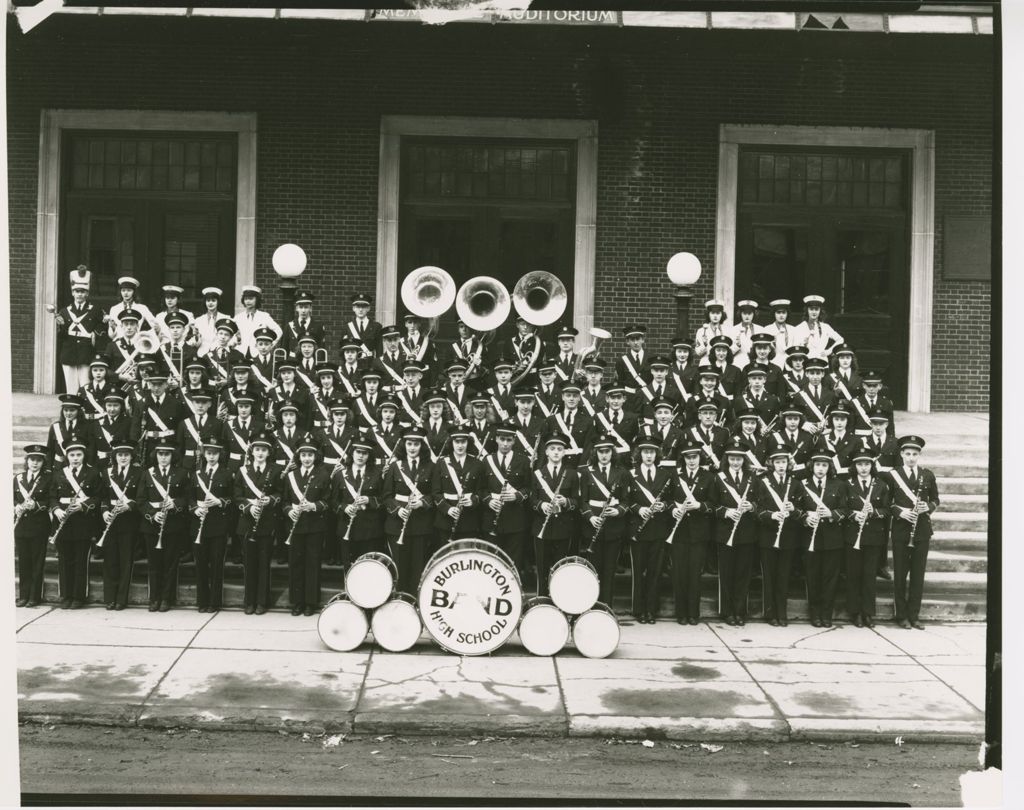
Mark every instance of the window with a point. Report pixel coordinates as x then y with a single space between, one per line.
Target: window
190 245
191 164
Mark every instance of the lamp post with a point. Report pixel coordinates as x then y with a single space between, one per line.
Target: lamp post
683 272
289 261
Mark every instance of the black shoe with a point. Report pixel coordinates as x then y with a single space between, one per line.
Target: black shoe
815 622
869 621
903 623
77 604
916 624
154 607
250 609
693 620
729 620
31 603
682 621
310 611
858 621
885 573
202 609
773 622
826 622
164 607
120 606
21 603
297 610
110 605
65 604
260 610
741 621
783 622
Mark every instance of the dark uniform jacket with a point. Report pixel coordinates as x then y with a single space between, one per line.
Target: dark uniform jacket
631 374
527 435
813 406
724 407
885 453
513 517
504 404
92 397
457 399
614 490
218 363
293 330
646 494
334 443
878 499
643 400
149 499
316 486
835 496
385 439
800 449
682 380
695 526
350 378
283 450
229 397
883 403
60 433
33 522
566 483
437 438
410 406
927 491
549 402
841 449
579 430
723 498
105 434
730 381
160 420
471 479
222 486
390 369
767 407
126 522
246 491
263 373
192 436
670 441
845 389
712 445
368 524
370 337
590 401
482 439
299 395
236 437
623 426
320 405
305 373
76 339
767 504
82 525
365 413
395 493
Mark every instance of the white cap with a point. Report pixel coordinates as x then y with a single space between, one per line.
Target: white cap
251 288
130 281
173 288
814 299
80 278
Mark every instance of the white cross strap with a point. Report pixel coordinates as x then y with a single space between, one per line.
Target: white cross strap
646 492
730 489
251 484
496 470
454 476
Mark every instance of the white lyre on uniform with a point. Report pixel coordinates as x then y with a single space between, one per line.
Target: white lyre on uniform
146 324
816 339
248 323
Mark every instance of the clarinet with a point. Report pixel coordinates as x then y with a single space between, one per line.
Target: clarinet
736 523
119 510
643 523
785 498
140 451
348 529
867 511
814 531
160 535
62 521
405 520
199 533
603 516
913 521
547 517
679 520
295 522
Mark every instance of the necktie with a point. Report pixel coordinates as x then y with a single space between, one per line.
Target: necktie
779 479
259 470
359 479
75 471
913 479
604 471
658 391
288 433
814 391
504 461
209 472
554 473
28 479
412 468
649 477
736 480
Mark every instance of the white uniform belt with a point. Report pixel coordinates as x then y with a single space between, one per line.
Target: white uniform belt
66 500
666 462
101 454
155 504
190 452
331 460
235 456
601 503
451 496
402 498
496 495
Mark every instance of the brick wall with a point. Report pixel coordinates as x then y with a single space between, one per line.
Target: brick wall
658 96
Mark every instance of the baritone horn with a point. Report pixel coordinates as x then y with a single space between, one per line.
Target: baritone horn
147 343
591 351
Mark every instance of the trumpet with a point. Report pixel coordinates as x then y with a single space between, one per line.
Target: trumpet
785 500
866 511
766 429
119 509
555 508
736 522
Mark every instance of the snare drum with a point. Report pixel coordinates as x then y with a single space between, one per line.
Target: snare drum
596 632
396 624
342 625
370 580
544 629
574 585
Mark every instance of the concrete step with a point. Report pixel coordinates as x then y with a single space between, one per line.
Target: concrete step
956 502
940 444
953 468
947 540
961 521
22 434
954 562
962 484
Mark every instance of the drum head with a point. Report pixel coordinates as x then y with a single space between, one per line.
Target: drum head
396 624
544 629
596 633
342 626
370 580
574 585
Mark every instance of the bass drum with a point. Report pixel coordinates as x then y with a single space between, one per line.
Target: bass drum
596 632
574 585
396 624
544 629
370 580
342 625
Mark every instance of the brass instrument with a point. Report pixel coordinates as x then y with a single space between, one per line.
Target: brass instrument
598 335
484 305
785 500
31 492
555 508
766 429
320 356
540 298
743 498
295 522
427 292
199 532
657 502
866 511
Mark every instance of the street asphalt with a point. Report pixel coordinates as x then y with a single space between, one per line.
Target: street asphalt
664 681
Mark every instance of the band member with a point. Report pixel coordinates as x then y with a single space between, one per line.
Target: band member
172 297
261 362
815 397
364 406
198 430
529 427
158 415
251 317
720 359
565 361
710 436
500 394
31 524
434 425
754 397
135 393
257 493
813 332
506 489
735 532
99 386
362 326
592 395
306 363
572 423
210 496
553 502
78 325
914 497
649 524
391 360
194 383
468 350
349 370
206 323
120 514
838 441
795 374
289 390
779 533
742 333
622 426
387 435
418 346
708 393
303 324
174 352
355 499
690 532
409 525
162 497
549 393
791 437
456 393
865 535
525 346
242 387
333 443
846 381
239 430
780 330
746 422
657 388
123 353
871 397
481 425
221 358
70 423
305 499
410 398
824 504
775 382
326 393
667 435
128 289
716 324
682 374
631 369
284 456
882 446
111 430
74 495
455 488
605 501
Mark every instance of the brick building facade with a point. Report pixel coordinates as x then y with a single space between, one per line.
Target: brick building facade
659 98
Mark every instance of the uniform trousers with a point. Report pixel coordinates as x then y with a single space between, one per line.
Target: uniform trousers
908 566
605 557
118 553
73 567
647 558
776 566
822 568
547 552
409 559
256 570
304 569
209 555
163 566
352 550
687 567
883 556
861 566
513 544
735 565
31 561
75 377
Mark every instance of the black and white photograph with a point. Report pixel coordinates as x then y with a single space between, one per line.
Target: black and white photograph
504 403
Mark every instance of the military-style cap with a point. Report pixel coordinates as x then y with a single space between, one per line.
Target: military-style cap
479 398
227 325
556 438
114 396
915 442
251 289
871 378
502 363
306 339
814 299
391 331
840 408
458 433
361 444
525 394
690 445
304 297
762 337
245 399
212 443
648 442
747 413
662 404
747 303
457 365
780 303
756 370
413 365
506 428
792 409
634 330
821 455
80 278
876 414
325 367
212 292
201 394
165 445
176 319
816 363
387 402
123 446
708 371
567 331
288 405
173 289
288 363
708 406
32 450
129 315
779 452
264 333
195 363
414 432
842 348
682 342
548 364
736 446
348 343
307 443
370 373
433 395
264 438
862 454
721 340
361 298
796 353
571 388
99 360
70 400
604 440
714 303
615 391
659 361
239 363
128 281
338 406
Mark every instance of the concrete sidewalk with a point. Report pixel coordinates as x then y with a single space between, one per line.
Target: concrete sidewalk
707 682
